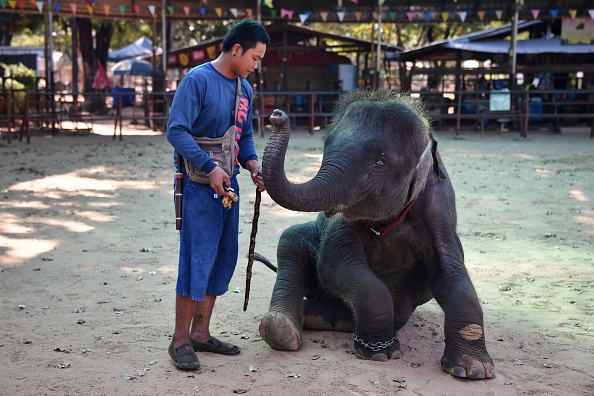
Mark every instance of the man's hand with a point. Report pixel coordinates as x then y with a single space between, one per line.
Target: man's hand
254 167
217 177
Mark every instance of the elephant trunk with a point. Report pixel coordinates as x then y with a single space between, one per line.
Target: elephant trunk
314 195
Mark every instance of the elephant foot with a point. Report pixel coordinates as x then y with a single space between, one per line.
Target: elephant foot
280 332
378 351
464 366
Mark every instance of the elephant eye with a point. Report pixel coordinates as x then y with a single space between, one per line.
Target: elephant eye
379 162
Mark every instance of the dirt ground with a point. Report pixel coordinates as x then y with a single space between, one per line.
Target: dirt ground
88 261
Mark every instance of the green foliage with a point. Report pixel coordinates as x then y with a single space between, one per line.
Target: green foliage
19 76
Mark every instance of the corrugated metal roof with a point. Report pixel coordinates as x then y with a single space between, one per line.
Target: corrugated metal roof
534 46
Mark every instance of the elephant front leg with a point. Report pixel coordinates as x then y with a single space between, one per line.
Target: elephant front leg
281 327
465 352
375 337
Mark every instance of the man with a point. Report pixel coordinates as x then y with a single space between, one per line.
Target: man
204 106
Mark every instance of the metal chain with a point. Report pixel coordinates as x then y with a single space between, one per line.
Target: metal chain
377 345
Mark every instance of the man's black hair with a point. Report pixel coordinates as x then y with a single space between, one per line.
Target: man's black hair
246 33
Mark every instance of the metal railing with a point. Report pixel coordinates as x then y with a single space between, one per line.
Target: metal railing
460 110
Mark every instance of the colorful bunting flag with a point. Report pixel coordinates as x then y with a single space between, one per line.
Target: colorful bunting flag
358 15
12 3
73 8
324 15
170 9
202 11
340 15
286 13
106 9
233 12
554 13
591 12
392 15
268 3
219 11
273 12
445 15
499 14
481 14
410 15
462 15
40 5
122 9
248 12
535 13
427 16
151 9
57 8
3 3
572 14
90 10
22 4
304 16
136 9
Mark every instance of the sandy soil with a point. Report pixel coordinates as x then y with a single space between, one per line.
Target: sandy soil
88 252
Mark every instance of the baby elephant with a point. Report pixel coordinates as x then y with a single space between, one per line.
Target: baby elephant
385 243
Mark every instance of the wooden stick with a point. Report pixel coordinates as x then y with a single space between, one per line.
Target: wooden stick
252 247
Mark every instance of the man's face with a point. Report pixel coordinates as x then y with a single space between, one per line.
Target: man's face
249 61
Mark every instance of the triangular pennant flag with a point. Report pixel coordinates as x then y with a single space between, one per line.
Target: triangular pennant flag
137 9
12 3
90 9
445 15
268 3
427 16
273 12
410 15
481 14
170 9
152 9
219 11
122 9
392 15
358 15
304 16
324 15
40 5
73 8
499 13
591 12
186 10
286 13
106 9
554 13
56 7
248 12
374 15
462 15
572 14
3 3
22 4
233 12
340 15
535 13
202 11
33 2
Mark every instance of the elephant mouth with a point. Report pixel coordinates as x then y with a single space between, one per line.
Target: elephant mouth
337 209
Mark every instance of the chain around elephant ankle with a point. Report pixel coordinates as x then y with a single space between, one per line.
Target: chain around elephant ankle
377 345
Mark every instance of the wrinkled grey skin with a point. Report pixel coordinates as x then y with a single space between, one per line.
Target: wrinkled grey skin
379 156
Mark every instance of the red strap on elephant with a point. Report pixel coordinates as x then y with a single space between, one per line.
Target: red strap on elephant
387 228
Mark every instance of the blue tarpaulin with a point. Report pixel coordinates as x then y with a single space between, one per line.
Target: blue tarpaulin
140 48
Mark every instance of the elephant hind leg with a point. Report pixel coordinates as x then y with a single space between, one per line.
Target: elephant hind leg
279 332
331 315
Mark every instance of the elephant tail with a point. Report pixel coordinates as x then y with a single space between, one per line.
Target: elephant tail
265 261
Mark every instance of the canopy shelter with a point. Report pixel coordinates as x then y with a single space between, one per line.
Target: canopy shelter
546 50
360 11
142 47
312 56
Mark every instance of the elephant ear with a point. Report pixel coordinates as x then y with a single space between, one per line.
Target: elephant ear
417 184
438 167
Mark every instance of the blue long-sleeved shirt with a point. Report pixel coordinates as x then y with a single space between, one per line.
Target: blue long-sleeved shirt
204 106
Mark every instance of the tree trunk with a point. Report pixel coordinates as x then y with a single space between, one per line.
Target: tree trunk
92 54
